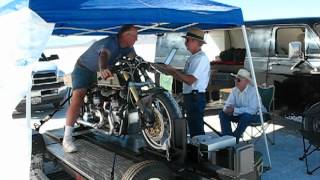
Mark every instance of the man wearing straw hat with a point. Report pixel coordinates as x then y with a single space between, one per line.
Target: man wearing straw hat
241 106
195 78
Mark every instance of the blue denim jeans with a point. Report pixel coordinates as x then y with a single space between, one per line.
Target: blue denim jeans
243 121
194 105
82 77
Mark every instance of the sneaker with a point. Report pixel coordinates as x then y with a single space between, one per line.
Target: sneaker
68 146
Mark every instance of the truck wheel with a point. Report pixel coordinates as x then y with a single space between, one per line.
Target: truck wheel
148 170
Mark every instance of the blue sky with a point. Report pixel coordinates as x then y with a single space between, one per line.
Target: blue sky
274 9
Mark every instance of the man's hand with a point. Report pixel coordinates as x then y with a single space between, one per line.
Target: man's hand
170 69
105 73
181 76
160 67
229 110
167 69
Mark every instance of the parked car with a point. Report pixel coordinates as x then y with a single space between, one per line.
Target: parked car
286 53
47 84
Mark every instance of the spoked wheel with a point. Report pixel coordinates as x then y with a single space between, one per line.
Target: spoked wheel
165 110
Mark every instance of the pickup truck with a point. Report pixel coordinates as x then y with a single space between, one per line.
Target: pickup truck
47 84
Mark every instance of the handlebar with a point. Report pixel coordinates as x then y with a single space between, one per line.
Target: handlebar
137 61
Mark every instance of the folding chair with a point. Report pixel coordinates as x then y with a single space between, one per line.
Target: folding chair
267 98
310 131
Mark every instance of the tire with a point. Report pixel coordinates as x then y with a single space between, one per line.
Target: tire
166 110
311 117
148 170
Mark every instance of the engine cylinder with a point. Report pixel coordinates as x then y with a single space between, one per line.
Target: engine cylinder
133 117
96 100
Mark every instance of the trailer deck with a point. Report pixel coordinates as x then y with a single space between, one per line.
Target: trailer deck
100 157
90 160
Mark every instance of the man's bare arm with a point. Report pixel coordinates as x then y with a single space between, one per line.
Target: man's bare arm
103 61
186 78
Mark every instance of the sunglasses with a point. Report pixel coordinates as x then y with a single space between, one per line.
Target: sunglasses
237 79
188 40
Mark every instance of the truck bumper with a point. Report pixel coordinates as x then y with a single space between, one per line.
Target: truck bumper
38 101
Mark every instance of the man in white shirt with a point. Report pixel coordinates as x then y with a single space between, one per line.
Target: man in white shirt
241 106
195 78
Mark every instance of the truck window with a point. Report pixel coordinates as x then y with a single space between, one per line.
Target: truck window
286 35
313 44
259 40
317 28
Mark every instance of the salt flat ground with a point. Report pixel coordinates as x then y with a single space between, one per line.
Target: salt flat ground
284 153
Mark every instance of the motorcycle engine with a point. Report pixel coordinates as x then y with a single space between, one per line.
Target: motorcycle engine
104 110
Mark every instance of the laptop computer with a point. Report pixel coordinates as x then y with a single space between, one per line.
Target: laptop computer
169 57
159 65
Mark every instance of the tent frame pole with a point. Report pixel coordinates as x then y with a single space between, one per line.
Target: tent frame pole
245 38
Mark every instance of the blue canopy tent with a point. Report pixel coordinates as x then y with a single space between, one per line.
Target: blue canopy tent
103 17
96 17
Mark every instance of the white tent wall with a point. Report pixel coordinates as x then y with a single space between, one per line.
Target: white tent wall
215 43
222 39
236 38
23 36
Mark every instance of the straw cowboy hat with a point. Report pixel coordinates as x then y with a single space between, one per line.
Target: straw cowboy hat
243 73
195 33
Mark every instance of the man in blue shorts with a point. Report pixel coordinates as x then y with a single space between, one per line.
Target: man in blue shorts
100 56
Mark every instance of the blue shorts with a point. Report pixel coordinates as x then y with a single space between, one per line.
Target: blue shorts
82 77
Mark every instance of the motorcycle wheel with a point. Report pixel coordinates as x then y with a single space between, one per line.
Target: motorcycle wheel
165 110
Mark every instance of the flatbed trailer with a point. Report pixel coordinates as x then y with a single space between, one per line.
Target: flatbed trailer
102 157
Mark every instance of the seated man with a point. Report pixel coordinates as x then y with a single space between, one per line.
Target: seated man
241 106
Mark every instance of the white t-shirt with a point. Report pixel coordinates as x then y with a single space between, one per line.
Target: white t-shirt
244 102
197 65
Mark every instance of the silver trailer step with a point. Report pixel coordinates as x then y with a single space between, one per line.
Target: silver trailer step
91 161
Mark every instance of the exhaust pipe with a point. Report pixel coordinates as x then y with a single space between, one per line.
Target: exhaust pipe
94 125
99 125
86 123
